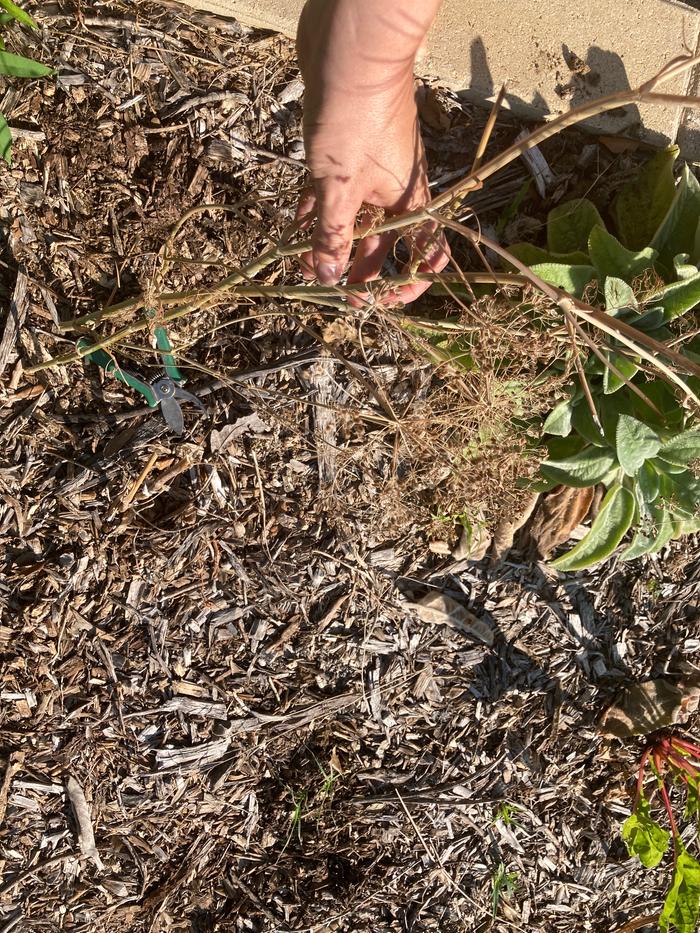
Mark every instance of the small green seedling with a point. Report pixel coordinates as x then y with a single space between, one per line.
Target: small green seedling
506 814
503 883
673 761
15 66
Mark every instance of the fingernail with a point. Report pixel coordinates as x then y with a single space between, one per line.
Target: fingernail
328 273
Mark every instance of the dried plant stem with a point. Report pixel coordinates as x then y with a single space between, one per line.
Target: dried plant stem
314 293
635 340
471 182
233 284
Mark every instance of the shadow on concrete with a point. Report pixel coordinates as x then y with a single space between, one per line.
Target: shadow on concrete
575 81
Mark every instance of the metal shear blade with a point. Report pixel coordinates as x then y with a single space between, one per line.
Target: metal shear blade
168 395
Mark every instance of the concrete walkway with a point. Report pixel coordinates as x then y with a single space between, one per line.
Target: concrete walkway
553 55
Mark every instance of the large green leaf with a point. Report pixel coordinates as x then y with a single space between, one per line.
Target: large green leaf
682 903
608 529
559 420
18 13
678 297
583 423
585 468
682 449
573 279
531 255
676 233
19 67
635 442
621 403
610 257
642 204
5 140
569 225
644 837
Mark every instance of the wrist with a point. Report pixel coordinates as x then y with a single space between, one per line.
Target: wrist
361 47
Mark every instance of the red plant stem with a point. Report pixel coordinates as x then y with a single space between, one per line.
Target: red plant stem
682 764
640 776
671 819
686 746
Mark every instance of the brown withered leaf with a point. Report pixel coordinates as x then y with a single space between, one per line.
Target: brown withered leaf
505 531
438 609
644 708
560 511
430 109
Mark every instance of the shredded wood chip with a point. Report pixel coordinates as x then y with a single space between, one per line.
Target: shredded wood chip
81 809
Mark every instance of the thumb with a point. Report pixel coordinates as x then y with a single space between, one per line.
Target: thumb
332 237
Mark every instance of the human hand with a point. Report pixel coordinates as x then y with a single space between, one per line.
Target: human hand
363 142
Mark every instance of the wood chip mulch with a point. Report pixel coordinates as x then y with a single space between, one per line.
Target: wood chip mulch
218 710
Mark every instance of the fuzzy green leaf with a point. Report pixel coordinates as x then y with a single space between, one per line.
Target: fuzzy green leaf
682 903
18 13
641 545
618 294
681 449
582 469
573 279
559 419
648 482
678 297
610 257
644 837
655 534
680 492
19 67
635 442
627 367
583 423
676 233
641 205
683 268
609 528
5 140
532 255
569 225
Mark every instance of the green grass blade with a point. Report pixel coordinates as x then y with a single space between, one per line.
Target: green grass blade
17 66
5 140
18 13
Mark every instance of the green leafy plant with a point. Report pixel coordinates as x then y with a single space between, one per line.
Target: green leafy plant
625 424
15 66
674 761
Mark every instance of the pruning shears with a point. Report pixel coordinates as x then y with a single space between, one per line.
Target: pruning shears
166 391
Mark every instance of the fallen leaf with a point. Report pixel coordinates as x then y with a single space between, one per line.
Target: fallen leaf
560 511
438 609
644 708
429 108
504 533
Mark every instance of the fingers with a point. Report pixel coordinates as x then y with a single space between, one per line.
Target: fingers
370 256
333 235
305 214
431 251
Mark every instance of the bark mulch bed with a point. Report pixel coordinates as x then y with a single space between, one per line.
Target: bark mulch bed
218 710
